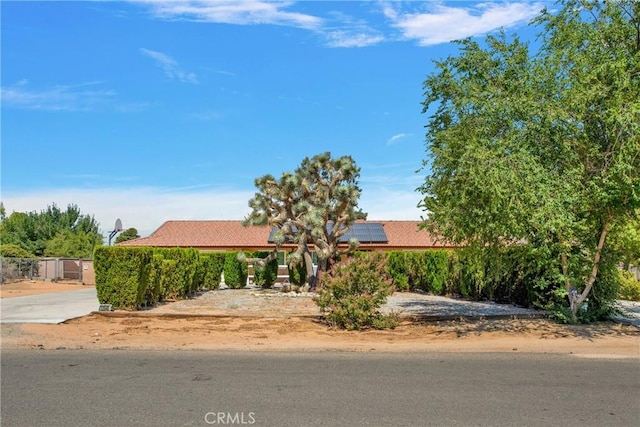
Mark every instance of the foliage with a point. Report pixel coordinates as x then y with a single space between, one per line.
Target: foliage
265 274
521 275
539 148
315 204
353 292
236 271
52 231
132 277
69 244
298 273
182 272
122 276
629 286
625 240
128 234
14 251
156 280
436 262
210 270
397 266
419 270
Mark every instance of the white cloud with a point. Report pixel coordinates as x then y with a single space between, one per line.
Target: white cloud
79 97
171 68
346 31
343 38
394 139
339 30
247 12
441 24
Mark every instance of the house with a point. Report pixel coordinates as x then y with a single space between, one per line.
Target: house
222 235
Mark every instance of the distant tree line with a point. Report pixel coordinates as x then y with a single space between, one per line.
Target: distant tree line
50 232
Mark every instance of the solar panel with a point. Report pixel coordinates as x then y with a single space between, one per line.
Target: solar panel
365 232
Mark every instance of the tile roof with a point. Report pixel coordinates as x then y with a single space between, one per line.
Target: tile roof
232 235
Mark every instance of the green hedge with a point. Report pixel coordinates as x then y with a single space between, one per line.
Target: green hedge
210 269
419 270
266 275
298 274
132 277
629 286
122 276
235 271
397 265
178 278
520 275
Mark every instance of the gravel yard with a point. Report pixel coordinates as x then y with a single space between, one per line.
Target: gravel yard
272 303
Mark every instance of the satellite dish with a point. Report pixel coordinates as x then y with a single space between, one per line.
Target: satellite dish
118 226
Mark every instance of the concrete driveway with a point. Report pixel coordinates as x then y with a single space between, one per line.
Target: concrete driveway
53 307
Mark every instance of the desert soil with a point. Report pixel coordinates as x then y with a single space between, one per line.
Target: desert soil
290 327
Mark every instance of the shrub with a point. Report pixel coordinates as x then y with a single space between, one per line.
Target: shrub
298 274
14 251
210 269
122 275
354 290
437 270
155 288
267 274
183 271
629 286
416 270
236 271
398 270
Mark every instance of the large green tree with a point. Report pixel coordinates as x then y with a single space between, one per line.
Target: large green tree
52 231
540 147
316 204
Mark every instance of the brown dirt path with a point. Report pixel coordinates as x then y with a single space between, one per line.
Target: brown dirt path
33 287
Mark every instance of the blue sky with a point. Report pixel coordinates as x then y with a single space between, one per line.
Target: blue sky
156 111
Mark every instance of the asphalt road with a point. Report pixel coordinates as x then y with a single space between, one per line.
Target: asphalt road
198 388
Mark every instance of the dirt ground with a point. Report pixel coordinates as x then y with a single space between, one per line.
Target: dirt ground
26 288
265 332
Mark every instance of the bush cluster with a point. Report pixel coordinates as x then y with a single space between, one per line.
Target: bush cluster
122 275
133 277
419 270
236 270
298 274
523 275
629 286
210 270
353 292
267 274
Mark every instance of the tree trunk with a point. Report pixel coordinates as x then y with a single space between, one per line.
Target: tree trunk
594 270
322 269
308 263
572 293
